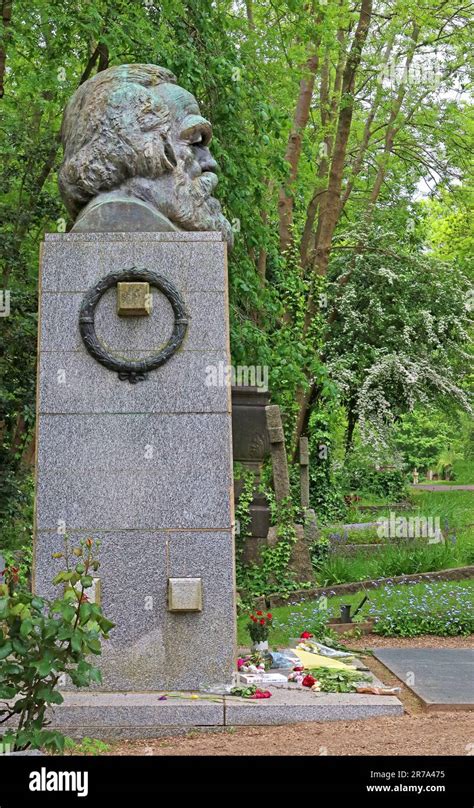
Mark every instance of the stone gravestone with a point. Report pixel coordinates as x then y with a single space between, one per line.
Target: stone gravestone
134 443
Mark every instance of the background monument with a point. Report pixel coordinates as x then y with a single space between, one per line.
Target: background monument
134 448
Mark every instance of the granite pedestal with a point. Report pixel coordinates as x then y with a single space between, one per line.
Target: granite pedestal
146 467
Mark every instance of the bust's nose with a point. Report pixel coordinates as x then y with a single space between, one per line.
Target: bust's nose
206 160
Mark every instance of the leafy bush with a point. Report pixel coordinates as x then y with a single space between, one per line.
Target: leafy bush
387 483
319 551
443 608
20 560
41 640
16 509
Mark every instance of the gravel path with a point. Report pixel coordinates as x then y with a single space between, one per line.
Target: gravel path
429 487
426 641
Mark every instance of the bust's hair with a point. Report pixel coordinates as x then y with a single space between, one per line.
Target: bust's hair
109 133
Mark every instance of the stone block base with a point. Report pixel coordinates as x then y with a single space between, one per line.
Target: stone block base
142 715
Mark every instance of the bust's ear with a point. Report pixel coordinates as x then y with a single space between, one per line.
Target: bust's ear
170 157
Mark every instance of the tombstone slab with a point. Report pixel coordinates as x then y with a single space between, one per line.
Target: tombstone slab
145 467
443 678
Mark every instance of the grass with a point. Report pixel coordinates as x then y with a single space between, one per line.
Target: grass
393 560
455 511
290 621
363 536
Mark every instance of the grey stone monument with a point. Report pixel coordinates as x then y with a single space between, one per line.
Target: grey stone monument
133 443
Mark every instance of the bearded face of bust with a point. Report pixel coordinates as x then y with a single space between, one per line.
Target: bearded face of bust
136 155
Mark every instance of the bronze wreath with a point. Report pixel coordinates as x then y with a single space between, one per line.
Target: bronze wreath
135 371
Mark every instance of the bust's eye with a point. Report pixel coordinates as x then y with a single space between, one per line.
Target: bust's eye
196 132
200 141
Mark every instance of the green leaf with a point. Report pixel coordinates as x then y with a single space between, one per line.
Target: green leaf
94 645
43 666
7 691
76 641
26 627
85 611
5 649
105 624
69 613
49 695
61 577
19 646
12 668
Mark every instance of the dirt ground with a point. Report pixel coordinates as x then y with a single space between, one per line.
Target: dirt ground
426 641
428 734
417 732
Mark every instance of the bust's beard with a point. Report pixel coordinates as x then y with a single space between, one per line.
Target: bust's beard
186 202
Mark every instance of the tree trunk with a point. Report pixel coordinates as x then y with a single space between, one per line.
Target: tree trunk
6 20
351 423
293 151
329 210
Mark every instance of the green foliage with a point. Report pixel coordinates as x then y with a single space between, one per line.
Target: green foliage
401 333
272 573
364 478
41 640
425 434
20 561
443 608
391 561
318 624
326 489
87 746
289 621
393 330
319 551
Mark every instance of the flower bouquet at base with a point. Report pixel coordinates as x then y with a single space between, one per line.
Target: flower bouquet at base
258 627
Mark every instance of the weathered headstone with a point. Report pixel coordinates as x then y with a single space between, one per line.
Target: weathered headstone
300 561
304 472
250 447
281 479
134 442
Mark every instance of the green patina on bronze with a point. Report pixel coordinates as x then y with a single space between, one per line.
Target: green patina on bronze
136 156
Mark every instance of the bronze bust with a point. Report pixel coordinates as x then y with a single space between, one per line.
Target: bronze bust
136 156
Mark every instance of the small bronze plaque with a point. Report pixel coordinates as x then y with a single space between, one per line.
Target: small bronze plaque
184 594
133 299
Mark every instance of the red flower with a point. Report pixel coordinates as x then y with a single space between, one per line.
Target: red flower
259 613
305 635
270 616
11 573
254 619
262 622
298 668
308 681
